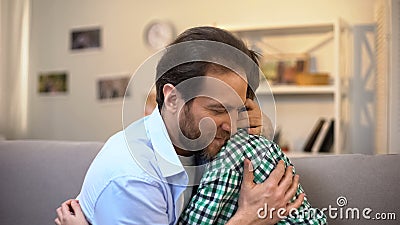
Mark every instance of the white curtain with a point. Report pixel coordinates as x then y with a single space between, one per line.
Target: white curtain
14 48
2 74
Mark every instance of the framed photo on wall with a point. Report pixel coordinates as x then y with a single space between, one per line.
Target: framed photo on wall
53 83
85 38
112 87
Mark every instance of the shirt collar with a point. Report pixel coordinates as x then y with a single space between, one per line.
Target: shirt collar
164 151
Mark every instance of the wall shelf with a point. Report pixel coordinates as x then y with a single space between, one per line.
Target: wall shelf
283 29
298 108
295 89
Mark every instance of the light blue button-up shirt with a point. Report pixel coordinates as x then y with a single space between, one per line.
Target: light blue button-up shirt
136 178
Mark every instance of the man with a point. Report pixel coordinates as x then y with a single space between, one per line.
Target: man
138 177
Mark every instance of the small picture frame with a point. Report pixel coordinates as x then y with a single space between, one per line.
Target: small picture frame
112 87
85 38
283 68
53 83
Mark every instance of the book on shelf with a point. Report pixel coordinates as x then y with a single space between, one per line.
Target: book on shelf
321 137
327 142
313 135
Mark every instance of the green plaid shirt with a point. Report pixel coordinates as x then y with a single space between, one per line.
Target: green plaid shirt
216 200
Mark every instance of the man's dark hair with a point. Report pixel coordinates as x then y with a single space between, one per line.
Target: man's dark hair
168 72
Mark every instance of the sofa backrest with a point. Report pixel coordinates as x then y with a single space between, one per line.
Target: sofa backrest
37 176
363 181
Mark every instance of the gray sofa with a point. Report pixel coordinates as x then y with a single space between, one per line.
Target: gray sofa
36 176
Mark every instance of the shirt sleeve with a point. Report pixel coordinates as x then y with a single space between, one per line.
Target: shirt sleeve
127 200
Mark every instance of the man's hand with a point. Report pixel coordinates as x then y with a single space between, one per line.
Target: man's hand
276 192
70 213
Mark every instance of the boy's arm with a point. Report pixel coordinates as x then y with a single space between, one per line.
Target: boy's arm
305 214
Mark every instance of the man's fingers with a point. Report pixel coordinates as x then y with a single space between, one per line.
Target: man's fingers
293 188
287 178
57 221
248 175
296 204
77 208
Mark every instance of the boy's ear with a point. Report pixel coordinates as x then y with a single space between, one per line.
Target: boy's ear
171 98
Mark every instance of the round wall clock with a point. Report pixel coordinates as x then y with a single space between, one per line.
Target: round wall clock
159 34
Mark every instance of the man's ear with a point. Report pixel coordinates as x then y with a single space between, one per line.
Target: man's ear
171 98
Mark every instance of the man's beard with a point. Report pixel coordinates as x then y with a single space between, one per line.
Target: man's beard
191 131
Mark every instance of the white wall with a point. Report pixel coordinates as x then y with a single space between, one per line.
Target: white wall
78 115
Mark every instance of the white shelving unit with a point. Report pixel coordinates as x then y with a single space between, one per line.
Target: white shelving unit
296 89
332 37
